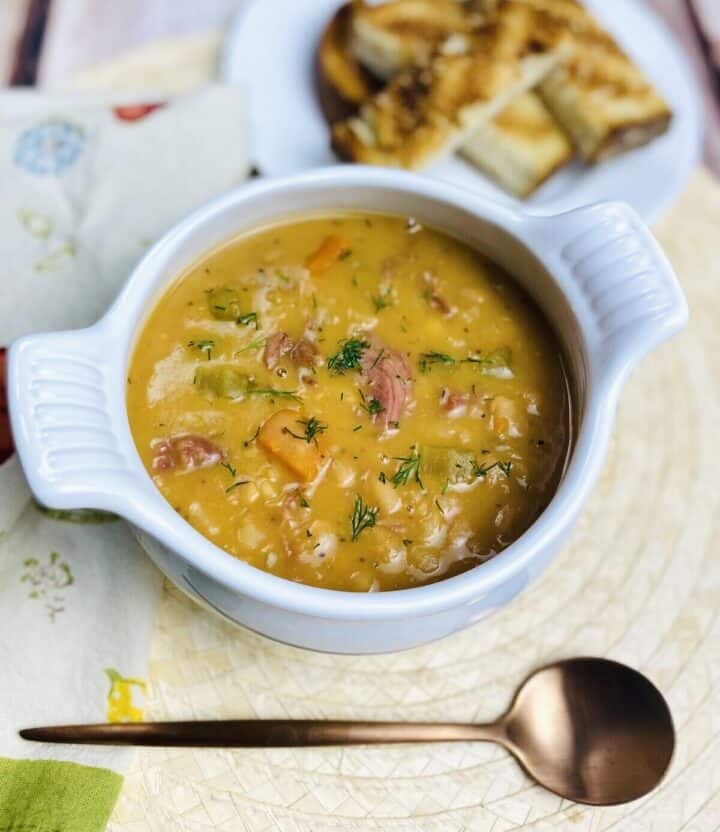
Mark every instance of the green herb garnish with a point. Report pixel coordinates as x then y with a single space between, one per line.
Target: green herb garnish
428 359
303 500
381 302
484 470
363 517
229 468
255 344
348 357
408 469
371 406
236 485
247 319
491 363
248 442
206 346
312 427
276 394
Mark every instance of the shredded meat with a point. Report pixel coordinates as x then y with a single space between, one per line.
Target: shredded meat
276 348
389 377
185 453
303 353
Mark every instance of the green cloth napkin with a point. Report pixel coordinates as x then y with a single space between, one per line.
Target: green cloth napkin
88 182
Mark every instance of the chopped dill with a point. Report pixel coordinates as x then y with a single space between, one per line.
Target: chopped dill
276 394
363 517
484 470
206 346
236 485
379 357
371 406
408 469
249 441
255 344
428 359
247 319
348 357
229 468
312 427
381 302
491 363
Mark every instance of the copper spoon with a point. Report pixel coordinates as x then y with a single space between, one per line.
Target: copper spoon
590 730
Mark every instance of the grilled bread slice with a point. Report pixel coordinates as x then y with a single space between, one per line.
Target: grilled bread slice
597 93
520 148
430 111
338 68
395 36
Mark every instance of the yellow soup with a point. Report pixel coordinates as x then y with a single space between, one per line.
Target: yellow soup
356 403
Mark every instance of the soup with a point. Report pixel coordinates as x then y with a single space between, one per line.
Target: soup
356 403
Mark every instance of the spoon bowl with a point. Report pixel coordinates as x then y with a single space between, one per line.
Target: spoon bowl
590 730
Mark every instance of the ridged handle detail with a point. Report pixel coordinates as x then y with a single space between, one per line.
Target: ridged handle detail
64 422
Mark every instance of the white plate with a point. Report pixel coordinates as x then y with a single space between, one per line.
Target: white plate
271 50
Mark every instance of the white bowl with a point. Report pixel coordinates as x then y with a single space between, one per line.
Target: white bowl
597 273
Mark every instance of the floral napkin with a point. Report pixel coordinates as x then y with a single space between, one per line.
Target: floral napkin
87 183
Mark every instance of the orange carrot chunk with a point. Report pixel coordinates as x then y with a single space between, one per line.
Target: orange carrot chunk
332 249
277 437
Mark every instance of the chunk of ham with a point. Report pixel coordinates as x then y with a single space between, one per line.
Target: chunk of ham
389 377
303 353
276 348
185 453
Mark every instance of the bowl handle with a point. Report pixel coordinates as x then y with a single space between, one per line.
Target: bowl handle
70 433
621 284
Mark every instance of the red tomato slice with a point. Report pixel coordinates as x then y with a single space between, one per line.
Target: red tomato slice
135 112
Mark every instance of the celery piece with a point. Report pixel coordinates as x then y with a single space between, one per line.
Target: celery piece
223 303
223 381
448 464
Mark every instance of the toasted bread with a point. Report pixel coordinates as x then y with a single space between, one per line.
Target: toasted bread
395 36
337 66
521 147
518 149
597 93
429 111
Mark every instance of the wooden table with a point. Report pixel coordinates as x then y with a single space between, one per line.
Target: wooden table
47 41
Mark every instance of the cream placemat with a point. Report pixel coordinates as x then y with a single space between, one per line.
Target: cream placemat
640 582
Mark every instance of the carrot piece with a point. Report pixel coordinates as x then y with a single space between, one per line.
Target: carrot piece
329 252
276 436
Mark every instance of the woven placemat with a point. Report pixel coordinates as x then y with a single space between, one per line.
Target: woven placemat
639 582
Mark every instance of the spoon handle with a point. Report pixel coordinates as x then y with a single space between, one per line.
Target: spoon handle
262 733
